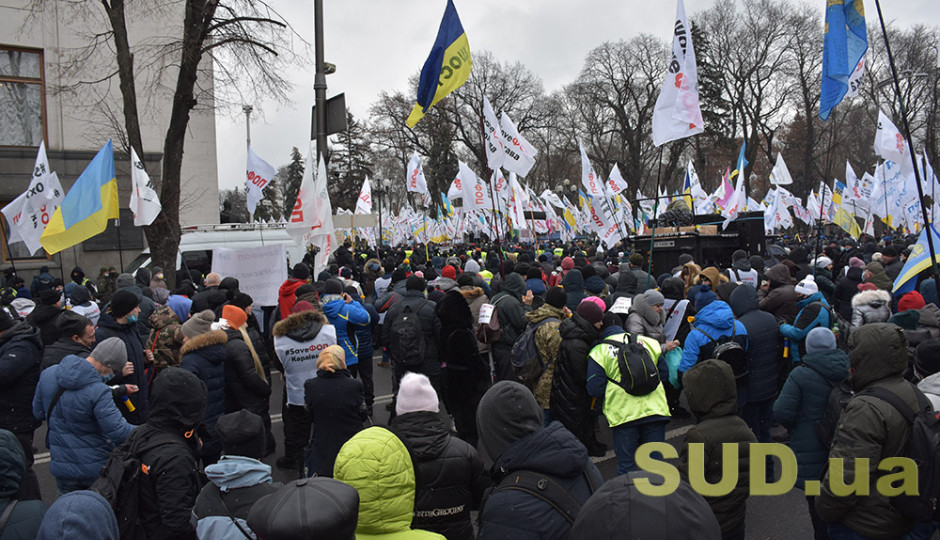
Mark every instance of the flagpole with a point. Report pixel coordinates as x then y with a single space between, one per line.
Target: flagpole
822 202
6 241
499 249
117 226
649 270
910 140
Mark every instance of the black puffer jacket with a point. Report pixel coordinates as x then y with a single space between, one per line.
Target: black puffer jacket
64 346
43 317
20 352
425 309
168 492
27 514
570 402
109 327
846 288
336 406
762 338
244 387
450 475
573 282
626 284
204 357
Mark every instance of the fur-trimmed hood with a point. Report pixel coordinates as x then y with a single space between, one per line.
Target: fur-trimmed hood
471 293
876 298
303 322
210 338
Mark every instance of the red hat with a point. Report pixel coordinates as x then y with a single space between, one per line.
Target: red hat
449 272
236 316
301 306
867 286
911 300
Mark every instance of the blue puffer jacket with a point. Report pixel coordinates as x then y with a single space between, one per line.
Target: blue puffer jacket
715 319
762 338
85 424
364 333
811 315
204 357
340 315
802 403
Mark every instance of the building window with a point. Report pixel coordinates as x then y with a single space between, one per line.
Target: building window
22 97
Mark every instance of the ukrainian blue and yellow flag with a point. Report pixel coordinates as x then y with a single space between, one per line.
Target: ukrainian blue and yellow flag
742 163
448 207
447 67
87 207
837 191
844 44
916 263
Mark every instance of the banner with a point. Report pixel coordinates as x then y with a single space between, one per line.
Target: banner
260 271
594 187
520 155
29 213
313 213
145 204
677 114
364 202
416 183
780 175
492 137
844 44
259 174
616 183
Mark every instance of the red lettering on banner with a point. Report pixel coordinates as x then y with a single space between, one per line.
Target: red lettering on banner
297 216
414 178
457 183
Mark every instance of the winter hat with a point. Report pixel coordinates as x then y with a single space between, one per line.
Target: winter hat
855 262
654 297
415 393
242 300
7 322
472 266
889 251
80 514
619 510
302 306
823 262
704 297
807 287
333 286
235 316
449 272
590 311
316 507
911 300
345 272
506 413
80 295
556 297
927 357
198 324
820 339
124 280
597 301
49 297
465 280
331 359
241 434
684 258
306 288
757 263
111 353
160 295
867 287
420 274
415 283
300 271
738 254
123 302
399 274
324 275
68 323
567 263
534 273
636 259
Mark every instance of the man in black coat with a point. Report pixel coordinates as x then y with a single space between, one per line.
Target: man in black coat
76 336
120 321
414 297
44 315
570 402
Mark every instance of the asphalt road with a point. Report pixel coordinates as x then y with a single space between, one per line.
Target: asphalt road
776 517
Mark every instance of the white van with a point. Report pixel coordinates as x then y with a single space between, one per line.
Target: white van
197 242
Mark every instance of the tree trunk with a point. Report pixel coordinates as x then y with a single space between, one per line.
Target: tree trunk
125 61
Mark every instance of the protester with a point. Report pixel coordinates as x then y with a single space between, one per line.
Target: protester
545 321
120 321
246 386
814 313
44 316
512 303
286 296
875 274
165 339
413 300
80 514
26 512
203 355
778 295
870 305
713 320
81 304
147 307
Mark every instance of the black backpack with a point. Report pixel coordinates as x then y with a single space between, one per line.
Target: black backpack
407 338
545 488
839 397
923 448
524 356
119 481
638 373
729 351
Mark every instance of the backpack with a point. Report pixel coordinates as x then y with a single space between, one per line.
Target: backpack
545 488
839 397
120 480
524 356
726 349
924 448
638 373
490 332
407 338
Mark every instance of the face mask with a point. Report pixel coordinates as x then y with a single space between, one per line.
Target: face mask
132 318
159 276
106 378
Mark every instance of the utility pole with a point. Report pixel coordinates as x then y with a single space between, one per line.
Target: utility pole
319 81
248 109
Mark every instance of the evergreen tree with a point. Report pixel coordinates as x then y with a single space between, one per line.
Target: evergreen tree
350 163
293 176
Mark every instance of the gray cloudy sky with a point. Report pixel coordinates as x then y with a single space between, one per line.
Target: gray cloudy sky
377 44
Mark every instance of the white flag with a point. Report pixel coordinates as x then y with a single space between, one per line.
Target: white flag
851 182
695 185
259 176
144 201
416 182
616 183
517 203
364 202
677 114
552 199
312 215
29 213
493 137
592 184
780 175
472 190
856 81
891 145
520 155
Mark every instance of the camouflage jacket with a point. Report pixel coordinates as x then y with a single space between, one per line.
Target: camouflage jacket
547 340
166 338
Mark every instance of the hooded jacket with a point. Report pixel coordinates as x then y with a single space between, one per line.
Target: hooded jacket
424 308
298 340
43 317
286 295
27 515
717 320
741 272
127 332
626 285
846 289
235 484
547 340
510 309
570 402
64 346
802 404
475 298
762 338
343 316
780 301
712 395
20 353
85 424
204 357
871 428
813 314
573 284
336 406
80 514
878 277
450 475
930 386
168 491
386 508
147 307
643 320
870 307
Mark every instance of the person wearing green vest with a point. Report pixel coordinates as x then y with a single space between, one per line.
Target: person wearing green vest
634 420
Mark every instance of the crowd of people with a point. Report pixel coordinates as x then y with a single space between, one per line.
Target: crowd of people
507 365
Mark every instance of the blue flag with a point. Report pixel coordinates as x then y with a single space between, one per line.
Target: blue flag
844 44
916 263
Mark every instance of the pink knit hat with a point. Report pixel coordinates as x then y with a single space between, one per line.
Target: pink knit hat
600 303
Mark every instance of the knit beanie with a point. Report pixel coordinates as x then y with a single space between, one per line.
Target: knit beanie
636 259
807 287
927 357
590 311
465 280
855 262
654 297
235 316
911 300
111 353
449 272
242 300
301 306
123 302
124 280
415 283
820 339
80 295
704 297
198 324
415 393
300 271
333 286
50 297
241 434
399 274
316 507
567 263
506 413
556 297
